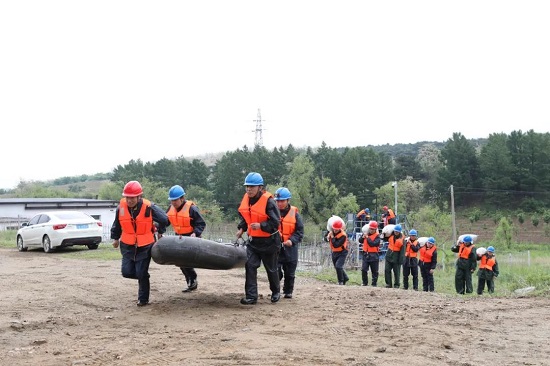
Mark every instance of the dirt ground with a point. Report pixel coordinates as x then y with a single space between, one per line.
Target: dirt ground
59 311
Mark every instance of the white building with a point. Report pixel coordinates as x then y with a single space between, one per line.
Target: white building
15 211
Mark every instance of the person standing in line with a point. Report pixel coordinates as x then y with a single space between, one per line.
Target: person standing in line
371 249
186 220
394 257
338 240
292 232
428 263
133 230
410 266
260 218
465 265
388 216
488 271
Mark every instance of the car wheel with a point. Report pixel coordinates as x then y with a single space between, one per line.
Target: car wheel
47 244
20 245
92 246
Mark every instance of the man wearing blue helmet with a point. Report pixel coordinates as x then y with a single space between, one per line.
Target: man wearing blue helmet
488 271
260 218
186 220
363 217
395 256
292 232
410 266
466 264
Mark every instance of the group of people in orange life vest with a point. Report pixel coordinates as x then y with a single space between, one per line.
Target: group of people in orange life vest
274 229
402 252
409 254
466 265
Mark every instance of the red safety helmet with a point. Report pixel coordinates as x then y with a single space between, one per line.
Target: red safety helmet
337 225
132 189
385 208
373 225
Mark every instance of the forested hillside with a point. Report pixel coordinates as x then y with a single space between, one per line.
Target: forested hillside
502 172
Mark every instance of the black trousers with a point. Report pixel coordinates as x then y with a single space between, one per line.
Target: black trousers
135 265
427 278
287 271
267 254
189 273
374 266
410 270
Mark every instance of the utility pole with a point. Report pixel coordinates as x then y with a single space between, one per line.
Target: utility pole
258 140
453 214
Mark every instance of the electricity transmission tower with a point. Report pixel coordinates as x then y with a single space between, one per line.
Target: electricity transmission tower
258 140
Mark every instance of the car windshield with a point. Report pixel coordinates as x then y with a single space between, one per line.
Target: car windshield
72 215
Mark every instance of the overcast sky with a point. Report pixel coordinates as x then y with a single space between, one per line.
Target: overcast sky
88 85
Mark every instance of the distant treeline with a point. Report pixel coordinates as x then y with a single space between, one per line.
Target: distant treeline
500 172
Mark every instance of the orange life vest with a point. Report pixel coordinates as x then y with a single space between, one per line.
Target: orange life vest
367 248
395 245
138 231
408 251
255 213
288 223
343 247
181 221
427 254
464 251
487 263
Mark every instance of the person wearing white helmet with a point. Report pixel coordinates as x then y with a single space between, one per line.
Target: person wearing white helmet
466 264
371 253
338 240
395 256
260 218
488 271
410 265
186 220
427 264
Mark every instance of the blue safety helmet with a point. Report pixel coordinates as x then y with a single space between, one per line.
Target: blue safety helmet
467 239
491 249
175 192
253 179
367 210
282 194
431 240
397 228
413 232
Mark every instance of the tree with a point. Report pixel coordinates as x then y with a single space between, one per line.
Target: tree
460 168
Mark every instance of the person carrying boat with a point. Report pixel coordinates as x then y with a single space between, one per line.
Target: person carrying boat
292 232
186 220
260 218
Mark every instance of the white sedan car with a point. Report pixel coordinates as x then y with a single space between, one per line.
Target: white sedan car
56 229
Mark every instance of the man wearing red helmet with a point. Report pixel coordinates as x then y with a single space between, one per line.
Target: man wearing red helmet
371 249
133 231
338 240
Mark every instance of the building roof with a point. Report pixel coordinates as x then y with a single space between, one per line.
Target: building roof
57 203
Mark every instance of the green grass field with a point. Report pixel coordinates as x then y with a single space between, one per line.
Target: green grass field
520 267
